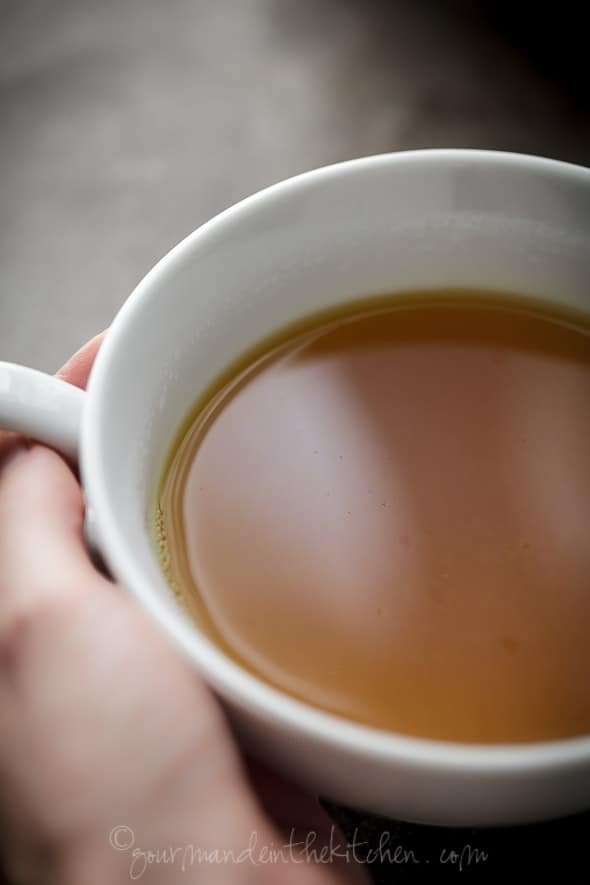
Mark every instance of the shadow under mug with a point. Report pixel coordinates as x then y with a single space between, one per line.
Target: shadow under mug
397 222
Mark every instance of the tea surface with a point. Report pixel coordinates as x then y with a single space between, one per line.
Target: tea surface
386 514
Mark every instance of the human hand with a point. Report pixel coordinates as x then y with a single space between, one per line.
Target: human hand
109 740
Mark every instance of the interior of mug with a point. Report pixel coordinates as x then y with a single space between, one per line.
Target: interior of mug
424 220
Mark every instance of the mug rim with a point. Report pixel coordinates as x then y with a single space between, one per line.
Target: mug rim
246 690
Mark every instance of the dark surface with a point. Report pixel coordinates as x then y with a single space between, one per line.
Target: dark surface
407 852
127 123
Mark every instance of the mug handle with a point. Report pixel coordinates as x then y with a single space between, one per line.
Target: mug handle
42 407
49 410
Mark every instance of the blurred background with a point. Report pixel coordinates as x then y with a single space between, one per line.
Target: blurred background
124 124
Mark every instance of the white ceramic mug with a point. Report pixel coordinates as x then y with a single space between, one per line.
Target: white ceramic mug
389 223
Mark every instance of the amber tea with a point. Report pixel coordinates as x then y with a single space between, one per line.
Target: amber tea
385 513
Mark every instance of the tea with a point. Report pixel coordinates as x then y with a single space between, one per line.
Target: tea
385 512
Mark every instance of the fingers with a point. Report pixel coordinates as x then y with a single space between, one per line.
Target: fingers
42 554
77 369
41 519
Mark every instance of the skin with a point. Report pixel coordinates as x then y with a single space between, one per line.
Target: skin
104 725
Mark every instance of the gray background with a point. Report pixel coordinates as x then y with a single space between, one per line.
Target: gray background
124 124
